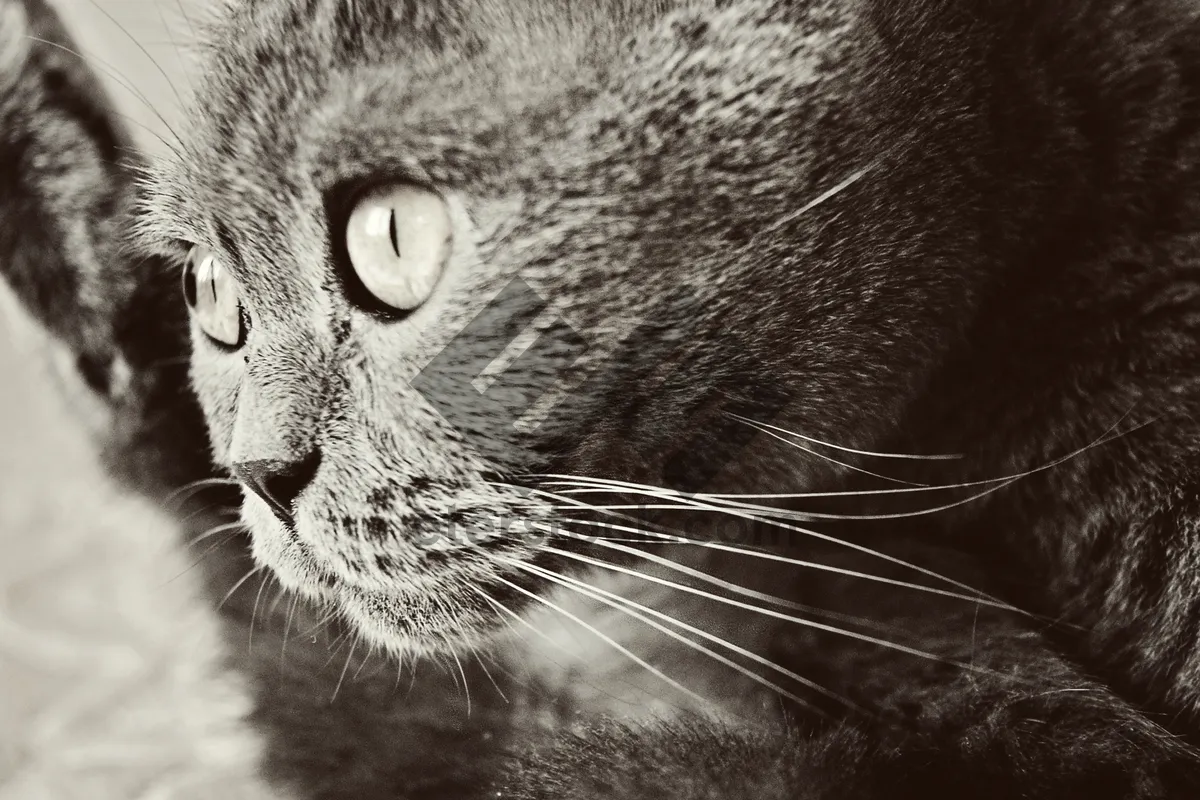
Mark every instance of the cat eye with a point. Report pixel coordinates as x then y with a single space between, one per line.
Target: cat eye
212 294
398 240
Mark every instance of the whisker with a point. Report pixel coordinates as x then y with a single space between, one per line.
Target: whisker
188 489
187 18
802 516
737 589
363 664
466 683
280 593
321 622
412 678
140 47
945 487
583 482
807 623
399 673
832 446
228 527
638 610
287 625
238 585
1001 483
832 460
975 593
100 65
510 615
609 640
225 510
334 646
228 530
824 197
254 611
488 673
341 678
675 635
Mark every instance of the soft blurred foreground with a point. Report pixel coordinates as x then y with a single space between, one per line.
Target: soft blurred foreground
109 680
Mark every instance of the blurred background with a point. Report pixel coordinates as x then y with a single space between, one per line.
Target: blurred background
110 684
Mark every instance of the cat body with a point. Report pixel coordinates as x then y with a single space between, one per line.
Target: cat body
853 229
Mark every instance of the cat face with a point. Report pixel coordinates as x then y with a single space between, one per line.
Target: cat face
435 250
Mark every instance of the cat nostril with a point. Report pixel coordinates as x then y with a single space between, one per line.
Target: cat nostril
278 482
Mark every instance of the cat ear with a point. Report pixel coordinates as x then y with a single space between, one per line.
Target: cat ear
67 197
65 186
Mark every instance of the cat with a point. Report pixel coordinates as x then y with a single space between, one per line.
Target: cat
726 398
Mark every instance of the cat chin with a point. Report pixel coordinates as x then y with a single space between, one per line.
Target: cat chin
426 626
458 606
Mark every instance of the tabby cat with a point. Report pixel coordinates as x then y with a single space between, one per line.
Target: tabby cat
658 398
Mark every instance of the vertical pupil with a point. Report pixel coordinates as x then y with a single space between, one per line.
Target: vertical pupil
392 233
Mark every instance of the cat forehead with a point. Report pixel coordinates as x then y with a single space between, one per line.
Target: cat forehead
298 96
278 60
334 90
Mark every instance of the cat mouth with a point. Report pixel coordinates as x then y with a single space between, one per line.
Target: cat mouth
441 598
461 612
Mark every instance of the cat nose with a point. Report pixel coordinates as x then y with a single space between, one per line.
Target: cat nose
278 482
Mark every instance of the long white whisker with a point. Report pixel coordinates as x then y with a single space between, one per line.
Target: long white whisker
807 623
805 515
287 626
719 505
188 489
228 530
488 673
975 593
238 585
824 197
583 482
509 615
139 46
216 530
363 663
832 460
330 613
639 610
254 612
280 593
512 615
341 678
100 65
466 683
733 587
613 642
830 445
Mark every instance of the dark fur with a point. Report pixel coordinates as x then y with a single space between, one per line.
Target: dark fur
1015 278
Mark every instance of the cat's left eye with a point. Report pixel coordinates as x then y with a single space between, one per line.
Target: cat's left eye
398 240
212 295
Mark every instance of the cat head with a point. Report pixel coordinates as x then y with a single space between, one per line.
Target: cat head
436 250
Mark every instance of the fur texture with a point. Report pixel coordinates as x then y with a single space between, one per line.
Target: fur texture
932 227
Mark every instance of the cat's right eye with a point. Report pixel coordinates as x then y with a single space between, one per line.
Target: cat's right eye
212 295
398 240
